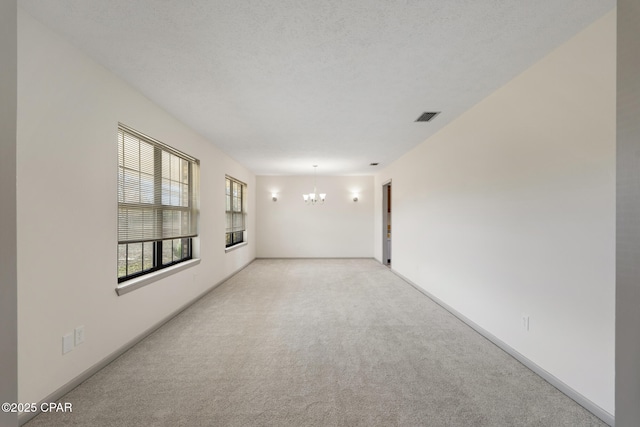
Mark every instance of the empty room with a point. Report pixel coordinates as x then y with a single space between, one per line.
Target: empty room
340 213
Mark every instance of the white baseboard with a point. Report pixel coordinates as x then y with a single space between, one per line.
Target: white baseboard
319 257
551 379
24 417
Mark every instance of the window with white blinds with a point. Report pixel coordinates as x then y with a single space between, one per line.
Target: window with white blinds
235 211
157 204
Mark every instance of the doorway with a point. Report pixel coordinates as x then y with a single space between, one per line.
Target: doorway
386 224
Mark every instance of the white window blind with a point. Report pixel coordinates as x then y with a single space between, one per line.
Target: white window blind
157 190
235 211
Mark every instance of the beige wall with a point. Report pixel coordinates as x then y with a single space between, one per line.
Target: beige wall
68 111
339 228
510 210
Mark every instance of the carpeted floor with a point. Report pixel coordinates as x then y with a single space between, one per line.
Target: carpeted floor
316 343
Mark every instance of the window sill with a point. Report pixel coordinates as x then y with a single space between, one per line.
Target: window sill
234 247
133 284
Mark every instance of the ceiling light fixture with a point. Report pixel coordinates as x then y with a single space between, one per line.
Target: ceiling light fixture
312 197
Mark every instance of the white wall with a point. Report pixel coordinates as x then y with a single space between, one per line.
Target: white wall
510 209
8 273
68 111
339 227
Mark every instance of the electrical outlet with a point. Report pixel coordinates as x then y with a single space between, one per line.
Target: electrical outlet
525 322
79 335
67 343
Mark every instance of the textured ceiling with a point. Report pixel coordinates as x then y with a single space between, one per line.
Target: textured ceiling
284 84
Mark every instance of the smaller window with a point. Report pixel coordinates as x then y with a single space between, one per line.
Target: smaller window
236 193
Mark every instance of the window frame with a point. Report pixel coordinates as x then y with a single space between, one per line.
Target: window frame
158 264
238 234
153 203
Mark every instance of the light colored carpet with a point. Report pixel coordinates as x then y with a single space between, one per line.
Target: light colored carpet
316 342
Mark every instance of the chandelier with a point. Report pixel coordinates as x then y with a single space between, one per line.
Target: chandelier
314 197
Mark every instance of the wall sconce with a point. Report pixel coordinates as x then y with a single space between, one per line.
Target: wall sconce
355 197
274 197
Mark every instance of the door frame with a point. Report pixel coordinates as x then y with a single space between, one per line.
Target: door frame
386 222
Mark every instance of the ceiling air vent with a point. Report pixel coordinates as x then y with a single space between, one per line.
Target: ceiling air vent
427 117
374 164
